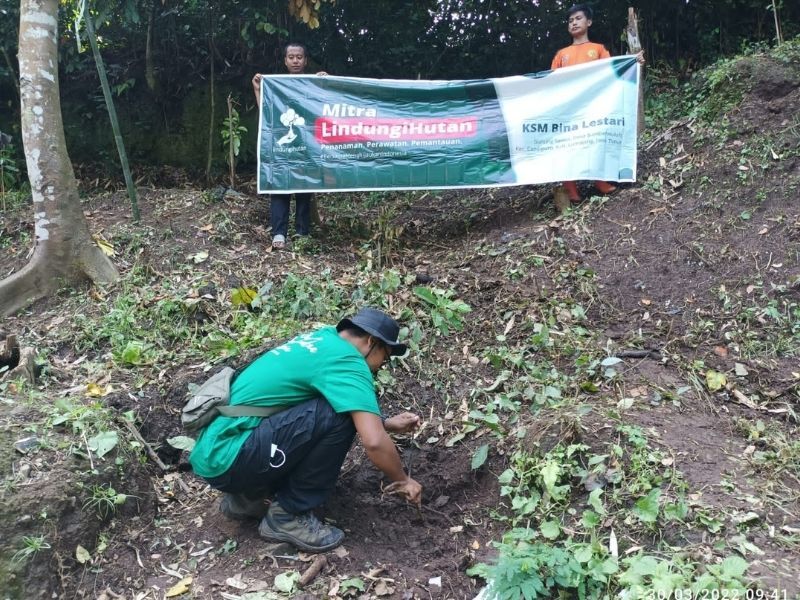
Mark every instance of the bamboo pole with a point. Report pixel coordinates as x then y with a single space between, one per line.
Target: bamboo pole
112 116
211 93
634 47
778 33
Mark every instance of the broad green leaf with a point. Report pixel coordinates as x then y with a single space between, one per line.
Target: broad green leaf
455 439
480 456
425 294
597 459
104 442
590 519
550 529
353 583
285 582
647 508
734 566
583 553
181 442
610 361
590 386
711 523
550 472
644 565
676 511
132 353
595 502
525 505
506 476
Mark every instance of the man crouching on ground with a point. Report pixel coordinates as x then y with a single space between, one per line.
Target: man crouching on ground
324 378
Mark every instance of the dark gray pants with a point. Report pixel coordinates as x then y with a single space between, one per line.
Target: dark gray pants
310 444
279 213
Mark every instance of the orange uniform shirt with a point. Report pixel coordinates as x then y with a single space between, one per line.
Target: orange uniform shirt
578 54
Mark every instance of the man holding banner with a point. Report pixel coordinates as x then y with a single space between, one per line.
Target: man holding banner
349 134
582 51
295 59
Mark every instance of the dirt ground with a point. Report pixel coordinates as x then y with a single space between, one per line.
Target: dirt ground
677 262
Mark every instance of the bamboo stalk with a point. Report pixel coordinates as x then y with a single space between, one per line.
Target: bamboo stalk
634 47
211 109
778 33
112 116
231 153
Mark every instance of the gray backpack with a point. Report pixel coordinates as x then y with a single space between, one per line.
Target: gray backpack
213 399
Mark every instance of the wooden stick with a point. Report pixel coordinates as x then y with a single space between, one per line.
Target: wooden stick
152 453
654 354
147 447
311 572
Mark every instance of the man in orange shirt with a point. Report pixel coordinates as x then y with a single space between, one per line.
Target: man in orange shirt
582 51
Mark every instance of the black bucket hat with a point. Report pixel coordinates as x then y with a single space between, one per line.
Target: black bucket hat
378 324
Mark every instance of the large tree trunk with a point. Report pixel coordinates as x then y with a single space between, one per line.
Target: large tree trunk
64 252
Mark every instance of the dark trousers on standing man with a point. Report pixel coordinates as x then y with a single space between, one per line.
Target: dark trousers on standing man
279 214
296 454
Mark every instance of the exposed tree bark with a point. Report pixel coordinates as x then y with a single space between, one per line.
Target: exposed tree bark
64 252
634 47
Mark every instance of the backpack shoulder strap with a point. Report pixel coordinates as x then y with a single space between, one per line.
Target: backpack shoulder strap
244 410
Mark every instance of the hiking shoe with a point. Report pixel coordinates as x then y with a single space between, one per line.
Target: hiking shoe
240 508
304 531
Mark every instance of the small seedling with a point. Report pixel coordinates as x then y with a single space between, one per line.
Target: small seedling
104 500
31 546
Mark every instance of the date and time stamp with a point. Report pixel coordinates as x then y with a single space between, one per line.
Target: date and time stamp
717 594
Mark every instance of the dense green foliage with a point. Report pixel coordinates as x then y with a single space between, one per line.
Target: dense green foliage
159 55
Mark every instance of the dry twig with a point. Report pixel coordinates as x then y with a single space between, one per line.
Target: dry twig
312 571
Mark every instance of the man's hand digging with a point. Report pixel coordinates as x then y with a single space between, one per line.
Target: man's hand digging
402 423
409 489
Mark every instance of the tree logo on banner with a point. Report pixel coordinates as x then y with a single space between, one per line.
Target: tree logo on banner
290 118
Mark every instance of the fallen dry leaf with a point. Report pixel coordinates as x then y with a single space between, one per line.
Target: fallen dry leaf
236 582
383 589
179 588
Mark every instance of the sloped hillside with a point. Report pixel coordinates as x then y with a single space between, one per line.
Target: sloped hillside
616 412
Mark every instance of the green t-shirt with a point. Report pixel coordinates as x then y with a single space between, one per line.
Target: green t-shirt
319 363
